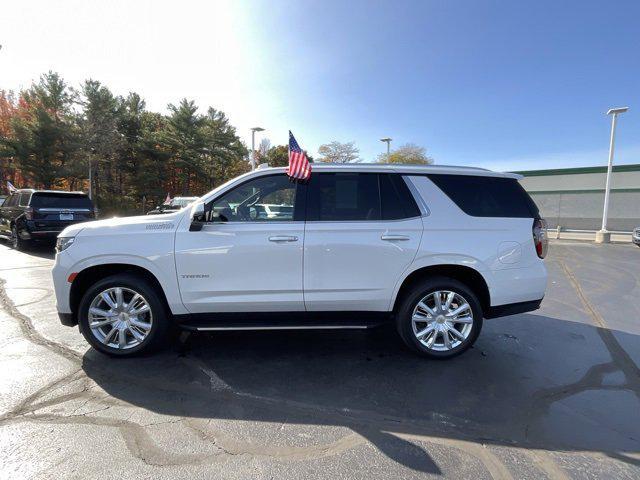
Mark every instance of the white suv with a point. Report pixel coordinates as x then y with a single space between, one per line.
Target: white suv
434 249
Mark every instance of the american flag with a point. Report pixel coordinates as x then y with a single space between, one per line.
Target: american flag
299 166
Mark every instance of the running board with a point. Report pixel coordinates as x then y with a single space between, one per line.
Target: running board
281 321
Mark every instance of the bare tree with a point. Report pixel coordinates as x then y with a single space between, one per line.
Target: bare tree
263 147
336 152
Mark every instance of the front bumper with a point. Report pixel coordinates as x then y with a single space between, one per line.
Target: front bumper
60 273
67 319
635 238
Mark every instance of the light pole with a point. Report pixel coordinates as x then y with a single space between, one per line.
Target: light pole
387 140
253 145
603 235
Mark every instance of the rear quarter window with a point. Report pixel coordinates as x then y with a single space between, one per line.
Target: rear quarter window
487 196
60 200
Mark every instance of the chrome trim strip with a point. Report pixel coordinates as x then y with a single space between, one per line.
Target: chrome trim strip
292 327
422 205
62 210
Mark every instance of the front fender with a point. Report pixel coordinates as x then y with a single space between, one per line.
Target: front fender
166 277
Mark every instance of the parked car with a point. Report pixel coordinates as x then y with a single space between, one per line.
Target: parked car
635 236
174 205
29 215
434 249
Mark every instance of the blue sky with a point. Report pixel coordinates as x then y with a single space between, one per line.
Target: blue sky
505 85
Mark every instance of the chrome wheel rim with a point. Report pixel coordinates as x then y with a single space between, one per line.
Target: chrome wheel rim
442 320
120 318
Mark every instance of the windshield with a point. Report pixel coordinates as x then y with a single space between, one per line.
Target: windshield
182 201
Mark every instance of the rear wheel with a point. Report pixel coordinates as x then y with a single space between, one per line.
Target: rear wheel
439 318
123 315
16 242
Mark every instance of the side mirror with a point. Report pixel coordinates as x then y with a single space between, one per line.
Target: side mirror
197 217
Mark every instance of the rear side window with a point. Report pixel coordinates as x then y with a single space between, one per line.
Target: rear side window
60 200
344 197
487 196
24 199
396 199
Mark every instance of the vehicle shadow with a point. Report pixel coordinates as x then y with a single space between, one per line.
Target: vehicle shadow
531 381
41 250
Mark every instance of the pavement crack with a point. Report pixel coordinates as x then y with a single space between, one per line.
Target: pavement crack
618 354
30 332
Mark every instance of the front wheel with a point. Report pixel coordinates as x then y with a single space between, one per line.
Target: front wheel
123 315
439 318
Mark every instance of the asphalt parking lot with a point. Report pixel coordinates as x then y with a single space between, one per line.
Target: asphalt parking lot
550 394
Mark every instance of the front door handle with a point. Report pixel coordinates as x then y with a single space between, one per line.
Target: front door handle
283 238
391 238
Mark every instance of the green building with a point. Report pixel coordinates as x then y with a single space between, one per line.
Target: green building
573 198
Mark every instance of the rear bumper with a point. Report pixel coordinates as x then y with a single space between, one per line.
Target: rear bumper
44 229
512 309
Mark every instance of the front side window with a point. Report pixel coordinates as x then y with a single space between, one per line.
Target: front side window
264 199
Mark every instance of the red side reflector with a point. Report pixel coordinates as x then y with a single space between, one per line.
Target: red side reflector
72 277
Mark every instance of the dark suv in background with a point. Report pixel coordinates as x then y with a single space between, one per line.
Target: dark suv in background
39 215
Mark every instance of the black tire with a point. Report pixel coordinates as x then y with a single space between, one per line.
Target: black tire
157 335
17 243
419 291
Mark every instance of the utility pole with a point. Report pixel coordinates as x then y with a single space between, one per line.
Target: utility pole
253 145
387 140
603 235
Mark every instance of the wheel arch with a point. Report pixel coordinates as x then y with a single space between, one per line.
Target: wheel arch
463 273
92 274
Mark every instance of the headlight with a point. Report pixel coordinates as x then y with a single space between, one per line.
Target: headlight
63 243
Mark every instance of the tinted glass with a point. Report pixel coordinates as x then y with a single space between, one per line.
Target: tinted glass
396 198
11 201
60 200
487 196
182 201
263 199
344 197
24 199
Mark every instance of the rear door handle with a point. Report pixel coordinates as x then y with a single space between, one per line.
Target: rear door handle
283 238
391 238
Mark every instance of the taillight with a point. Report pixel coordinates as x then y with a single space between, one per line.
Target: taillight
28 213
540 239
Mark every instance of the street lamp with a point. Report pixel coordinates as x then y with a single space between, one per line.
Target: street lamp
253 145
603 235
387 140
